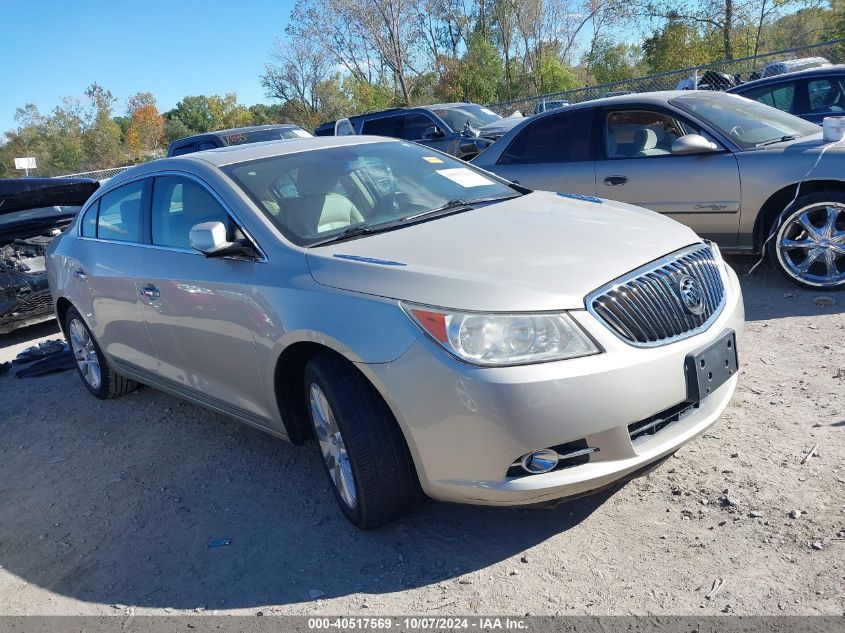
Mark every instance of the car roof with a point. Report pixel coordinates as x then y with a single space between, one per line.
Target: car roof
652 98
838 69
254 128
232 154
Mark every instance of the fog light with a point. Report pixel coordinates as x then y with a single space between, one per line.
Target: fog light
539 461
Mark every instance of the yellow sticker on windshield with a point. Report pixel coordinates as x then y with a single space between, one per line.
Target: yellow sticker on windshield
432 159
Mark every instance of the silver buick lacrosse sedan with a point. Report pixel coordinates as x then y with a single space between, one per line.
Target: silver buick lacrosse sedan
436 330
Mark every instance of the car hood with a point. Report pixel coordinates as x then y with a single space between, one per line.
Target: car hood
541 251
21 194
498 128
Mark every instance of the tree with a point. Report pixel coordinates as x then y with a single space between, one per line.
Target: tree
676 45
294 74
193 112
480 71
102 137
608 62
145 133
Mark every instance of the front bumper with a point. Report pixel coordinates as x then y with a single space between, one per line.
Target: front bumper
466 425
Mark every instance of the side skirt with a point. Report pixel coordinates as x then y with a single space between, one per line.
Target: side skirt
195 397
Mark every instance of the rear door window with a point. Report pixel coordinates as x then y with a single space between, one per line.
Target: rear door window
781 96
385 126
559 138
120 213
184 149
89 220
414 126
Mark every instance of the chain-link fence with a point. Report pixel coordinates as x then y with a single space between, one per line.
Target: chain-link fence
100 174
716 76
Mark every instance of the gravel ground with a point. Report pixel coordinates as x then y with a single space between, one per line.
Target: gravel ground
111 506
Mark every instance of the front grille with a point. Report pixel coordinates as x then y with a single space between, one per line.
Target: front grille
644 430
648 306
36 303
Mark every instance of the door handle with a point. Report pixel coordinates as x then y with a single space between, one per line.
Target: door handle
150 292
613 181
80 274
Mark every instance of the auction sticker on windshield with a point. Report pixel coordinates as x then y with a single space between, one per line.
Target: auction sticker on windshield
432 159
465 177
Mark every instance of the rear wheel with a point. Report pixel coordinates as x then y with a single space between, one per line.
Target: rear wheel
363 451
809 245
97 376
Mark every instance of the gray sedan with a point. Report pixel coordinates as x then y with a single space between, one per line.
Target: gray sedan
725 166
432 327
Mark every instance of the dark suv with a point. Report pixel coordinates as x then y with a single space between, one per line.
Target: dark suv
235 136
811 94
449 127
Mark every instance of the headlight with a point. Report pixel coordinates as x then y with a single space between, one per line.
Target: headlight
503 339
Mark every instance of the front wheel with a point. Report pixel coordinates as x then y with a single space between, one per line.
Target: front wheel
363 451
809 245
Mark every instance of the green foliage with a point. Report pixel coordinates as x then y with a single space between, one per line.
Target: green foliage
480 71
194 113
676 45
608 62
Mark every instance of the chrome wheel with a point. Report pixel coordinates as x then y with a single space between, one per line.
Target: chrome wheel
332 446
811 245
85 354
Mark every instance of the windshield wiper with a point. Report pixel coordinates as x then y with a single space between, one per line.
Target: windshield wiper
782 139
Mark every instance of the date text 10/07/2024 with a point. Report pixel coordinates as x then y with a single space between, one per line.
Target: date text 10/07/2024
478 623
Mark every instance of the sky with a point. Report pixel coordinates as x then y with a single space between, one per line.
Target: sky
56 48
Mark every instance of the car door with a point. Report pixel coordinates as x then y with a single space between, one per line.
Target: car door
635 164
196 308
552 153
102 284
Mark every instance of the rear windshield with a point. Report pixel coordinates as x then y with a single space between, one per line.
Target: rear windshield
257 136
42 213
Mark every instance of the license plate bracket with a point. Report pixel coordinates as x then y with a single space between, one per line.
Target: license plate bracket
711 366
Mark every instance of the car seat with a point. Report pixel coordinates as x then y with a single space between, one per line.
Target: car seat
318 208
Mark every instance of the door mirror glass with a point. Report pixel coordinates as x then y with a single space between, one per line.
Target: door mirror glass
434 132
692 144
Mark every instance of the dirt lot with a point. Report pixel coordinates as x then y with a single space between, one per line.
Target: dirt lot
110 506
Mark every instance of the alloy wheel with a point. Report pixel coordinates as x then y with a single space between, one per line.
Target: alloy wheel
332 446
811 245
85 354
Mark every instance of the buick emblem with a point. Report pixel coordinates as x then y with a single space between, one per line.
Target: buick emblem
692 294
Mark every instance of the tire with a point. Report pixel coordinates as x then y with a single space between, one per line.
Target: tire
812 227
361 444
91 363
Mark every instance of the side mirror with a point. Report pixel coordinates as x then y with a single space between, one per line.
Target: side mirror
434 132
343 127
209 238
692 144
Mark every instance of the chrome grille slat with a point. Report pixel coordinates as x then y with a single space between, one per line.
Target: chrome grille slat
645 308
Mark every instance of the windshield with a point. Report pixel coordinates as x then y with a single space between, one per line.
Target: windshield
747 123
257 136
42 213
315 195
456 117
